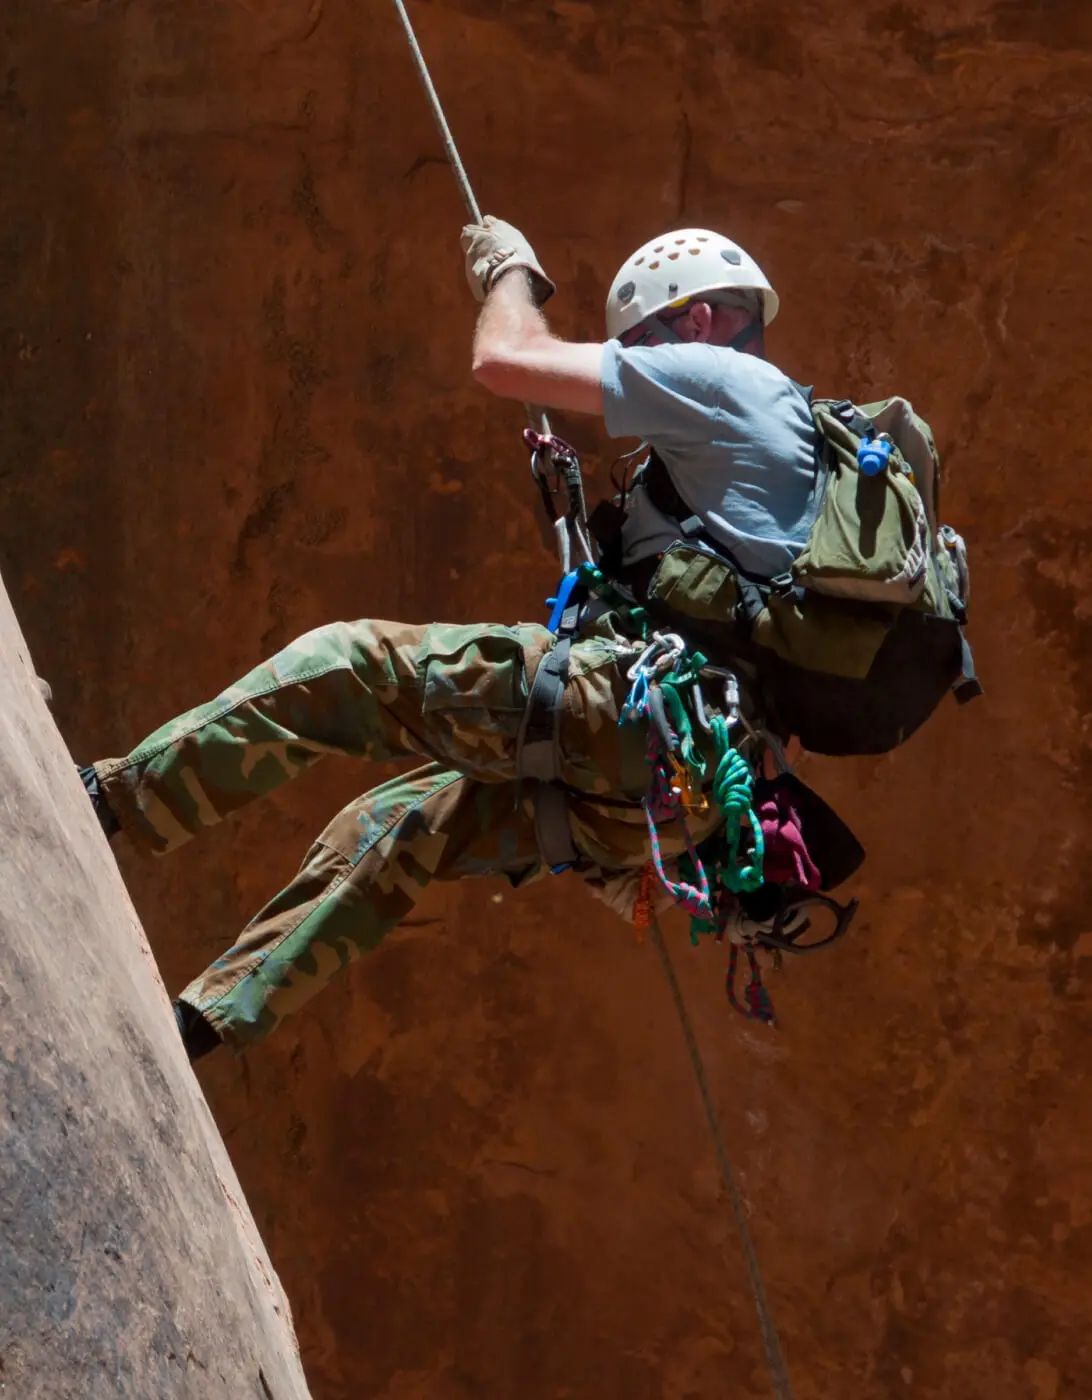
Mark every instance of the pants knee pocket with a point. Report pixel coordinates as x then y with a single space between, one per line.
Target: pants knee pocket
473 668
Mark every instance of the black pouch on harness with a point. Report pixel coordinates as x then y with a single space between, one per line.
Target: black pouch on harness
605 527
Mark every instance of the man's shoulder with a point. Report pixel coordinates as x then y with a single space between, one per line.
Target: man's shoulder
686 373
738 364
719 362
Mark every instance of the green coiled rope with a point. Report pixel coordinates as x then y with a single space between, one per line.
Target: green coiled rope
733 792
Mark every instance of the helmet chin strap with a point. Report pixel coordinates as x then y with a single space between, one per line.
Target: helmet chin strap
750 332
666 333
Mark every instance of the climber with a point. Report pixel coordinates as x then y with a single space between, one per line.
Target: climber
736 449
735 435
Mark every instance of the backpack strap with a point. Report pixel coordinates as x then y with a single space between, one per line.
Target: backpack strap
665 496
847 412
968 687
661 490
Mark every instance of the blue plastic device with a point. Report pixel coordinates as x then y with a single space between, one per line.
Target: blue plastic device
873 455
561 602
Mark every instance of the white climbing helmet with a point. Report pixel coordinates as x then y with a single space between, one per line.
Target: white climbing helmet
680 265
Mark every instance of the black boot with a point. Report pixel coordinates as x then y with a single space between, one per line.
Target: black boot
198 1036
103 811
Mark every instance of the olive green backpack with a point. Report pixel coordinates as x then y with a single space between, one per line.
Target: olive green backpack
855 648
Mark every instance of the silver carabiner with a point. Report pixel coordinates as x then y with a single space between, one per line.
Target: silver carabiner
699 707
642 661
731 699
674 649
731 692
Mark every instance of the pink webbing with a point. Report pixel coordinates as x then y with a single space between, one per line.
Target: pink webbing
662 805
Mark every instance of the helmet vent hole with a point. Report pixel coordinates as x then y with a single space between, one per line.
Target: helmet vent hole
659 249
638 262
694 252
731 255
653 265
673 257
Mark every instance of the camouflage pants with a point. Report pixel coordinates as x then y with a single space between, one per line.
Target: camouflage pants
376 690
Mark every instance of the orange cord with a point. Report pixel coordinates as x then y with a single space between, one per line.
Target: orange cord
642 905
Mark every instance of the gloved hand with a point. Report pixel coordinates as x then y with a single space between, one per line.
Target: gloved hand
494 247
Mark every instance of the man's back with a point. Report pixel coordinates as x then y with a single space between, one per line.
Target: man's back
737 438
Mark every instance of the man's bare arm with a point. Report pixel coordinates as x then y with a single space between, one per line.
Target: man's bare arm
516 356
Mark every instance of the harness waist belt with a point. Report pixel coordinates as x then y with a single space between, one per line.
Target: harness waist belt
538 751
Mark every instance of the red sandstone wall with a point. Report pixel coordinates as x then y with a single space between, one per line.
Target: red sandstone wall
235 404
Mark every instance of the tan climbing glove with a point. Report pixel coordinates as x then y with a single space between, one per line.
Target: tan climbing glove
493 248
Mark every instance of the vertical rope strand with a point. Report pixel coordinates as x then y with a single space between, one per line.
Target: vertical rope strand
452 151
536 416
779 1372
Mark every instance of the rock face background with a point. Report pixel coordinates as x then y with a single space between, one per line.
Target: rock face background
235 404
129 1264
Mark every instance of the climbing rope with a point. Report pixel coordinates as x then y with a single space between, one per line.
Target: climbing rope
450 148
537 416
779 1373
733 792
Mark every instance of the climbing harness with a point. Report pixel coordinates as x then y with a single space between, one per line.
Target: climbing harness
556 471
793 921
538 743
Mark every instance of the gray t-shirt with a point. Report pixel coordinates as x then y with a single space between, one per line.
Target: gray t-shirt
737 439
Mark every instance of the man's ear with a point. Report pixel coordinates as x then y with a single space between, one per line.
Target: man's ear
697 324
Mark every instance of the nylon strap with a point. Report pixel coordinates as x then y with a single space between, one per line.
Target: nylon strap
670 336
968 687
667 333
537 753
552 831
538 749
751 331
